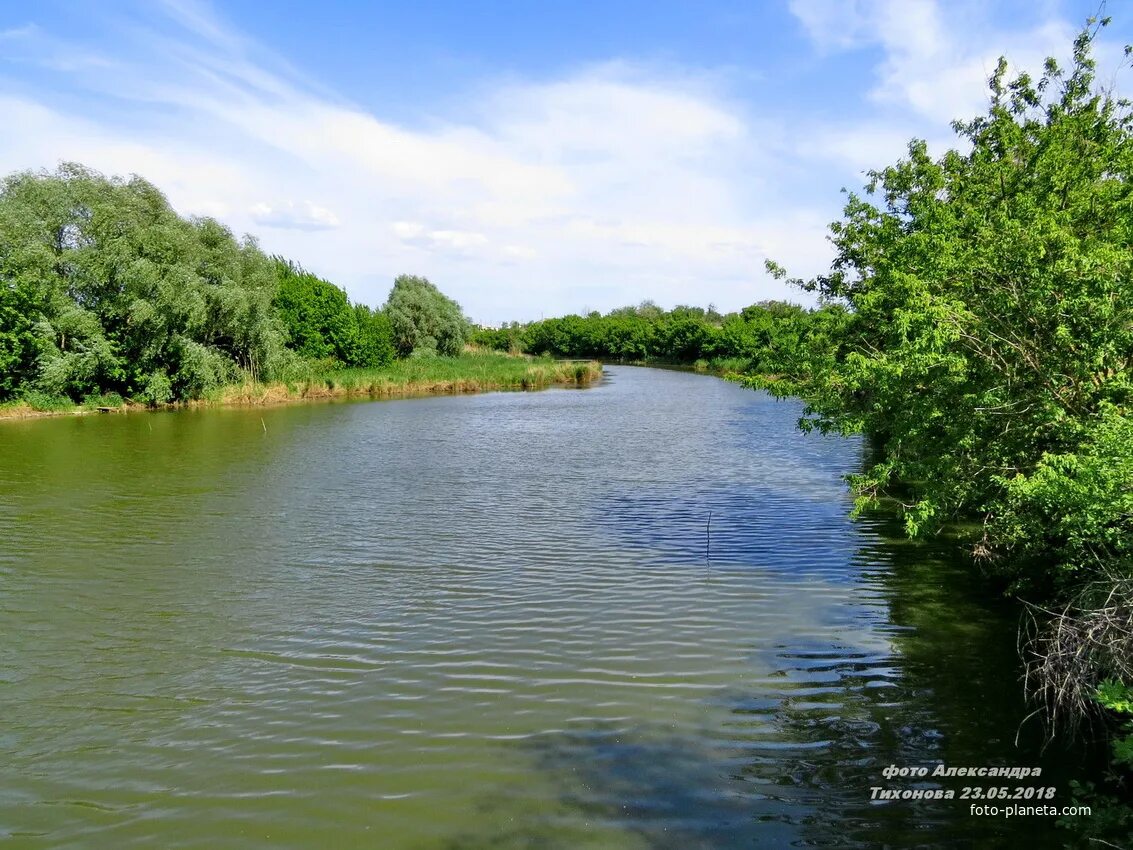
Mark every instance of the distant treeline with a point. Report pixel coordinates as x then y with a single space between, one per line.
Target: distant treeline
106 291
771 338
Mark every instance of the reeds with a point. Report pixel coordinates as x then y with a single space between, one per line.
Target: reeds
471 372
468 373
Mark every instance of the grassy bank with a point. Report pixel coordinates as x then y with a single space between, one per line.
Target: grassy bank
468 373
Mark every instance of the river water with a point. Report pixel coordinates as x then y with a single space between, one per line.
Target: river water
501 620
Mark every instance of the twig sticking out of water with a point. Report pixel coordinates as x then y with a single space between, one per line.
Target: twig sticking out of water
708 541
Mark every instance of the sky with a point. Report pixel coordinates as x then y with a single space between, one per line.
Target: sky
530 158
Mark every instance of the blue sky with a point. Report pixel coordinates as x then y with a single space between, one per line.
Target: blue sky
531 158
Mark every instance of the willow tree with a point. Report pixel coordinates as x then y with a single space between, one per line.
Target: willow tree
103 287
425 320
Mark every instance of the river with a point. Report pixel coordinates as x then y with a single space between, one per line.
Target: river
501 620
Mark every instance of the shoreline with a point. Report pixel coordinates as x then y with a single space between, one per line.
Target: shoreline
375 385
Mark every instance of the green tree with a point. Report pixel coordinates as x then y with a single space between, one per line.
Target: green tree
17 335
986 351
104 288
424 320
373 343
991 317
318 317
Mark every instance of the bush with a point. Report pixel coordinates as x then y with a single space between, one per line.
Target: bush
102 284
423 319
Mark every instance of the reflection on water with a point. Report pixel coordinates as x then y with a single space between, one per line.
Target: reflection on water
490 621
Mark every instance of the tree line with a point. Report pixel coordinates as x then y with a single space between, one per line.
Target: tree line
105 289
768 338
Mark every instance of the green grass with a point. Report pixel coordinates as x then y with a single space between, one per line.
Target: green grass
35 403
96 400
45 402
723 365
468 373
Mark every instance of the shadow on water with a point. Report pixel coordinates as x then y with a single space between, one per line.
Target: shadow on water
484 622
789 759
739 526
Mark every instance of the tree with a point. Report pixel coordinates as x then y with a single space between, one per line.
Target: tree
991 308
987 352
317 315
104 288
373 343
17 334
423 319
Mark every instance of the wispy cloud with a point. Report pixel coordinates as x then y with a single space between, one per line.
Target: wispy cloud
30 44
289 215
936 59
612 183
616 177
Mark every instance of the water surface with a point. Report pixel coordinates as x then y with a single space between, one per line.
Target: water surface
490 621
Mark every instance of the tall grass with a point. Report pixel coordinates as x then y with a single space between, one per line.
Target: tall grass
471 372
468 373
35 403
723 365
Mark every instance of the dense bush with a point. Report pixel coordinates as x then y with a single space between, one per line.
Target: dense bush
766 337
423 320
104 288
317 315
322 324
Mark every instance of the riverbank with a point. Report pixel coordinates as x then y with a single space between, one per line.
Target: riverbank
468 373
730 368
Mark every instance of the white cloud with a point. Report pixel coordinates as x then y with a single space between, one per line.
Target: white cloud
288 215
519 252
604 186
834 24
938 64
408 230
451 242
618 179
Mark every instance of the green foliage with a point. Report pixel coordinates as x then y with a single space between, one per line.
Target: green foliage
102 285
766 337
986 351
41 401
1118 698
158 389
1111 816
323 326
423 320
1115 697
508 338
373 343
103 400
320 323
988 336
1075 507
17 334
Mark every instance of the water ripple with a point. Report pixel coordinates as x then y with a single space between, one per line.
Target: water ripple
501 620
